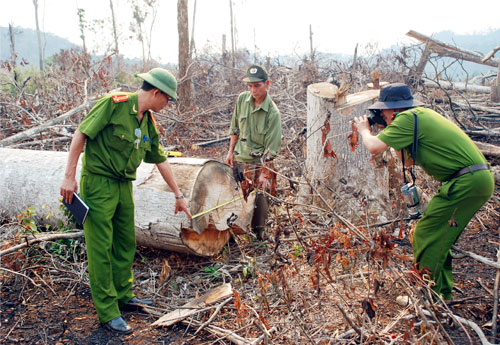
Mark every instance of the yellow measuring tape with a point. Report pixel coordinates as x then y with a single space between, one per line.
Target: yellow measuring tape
174 153
219 206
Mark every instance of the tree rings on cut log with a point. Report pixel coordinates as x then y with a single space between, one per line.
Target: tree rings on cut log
214 200
223 211
328 91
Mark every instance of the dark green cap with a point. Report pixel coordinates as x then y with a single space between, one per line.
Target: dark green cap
256 73
161 79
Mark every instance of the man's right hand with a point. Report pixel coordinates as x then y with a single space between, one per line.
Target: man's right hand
181 205
230 158
68 187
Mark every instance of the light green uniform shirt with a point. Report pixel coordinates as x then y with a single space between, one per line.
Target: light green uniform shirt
117 143
442 149
258 129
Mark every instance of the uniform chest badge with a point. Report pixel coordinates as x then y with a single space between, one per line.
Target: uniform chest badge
119 98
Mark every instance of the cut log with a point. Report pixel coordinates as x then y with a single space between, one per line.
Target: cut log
460 86
33 178
329 91
355 189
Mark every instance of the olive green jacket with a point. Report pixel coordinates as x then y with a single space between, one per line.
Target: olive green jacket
258 130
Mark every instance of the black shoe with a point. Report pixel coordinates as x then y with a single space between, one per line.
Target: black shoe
118 324
136 304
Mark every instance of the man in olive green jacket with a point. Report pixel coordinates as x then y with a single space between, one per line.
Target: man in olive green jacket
118 134
255 134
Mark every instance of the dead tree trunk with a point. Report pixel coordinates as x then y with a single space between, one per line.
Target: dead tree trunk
495 88
13 55
355 188
115 32
40 50
32 178
184 56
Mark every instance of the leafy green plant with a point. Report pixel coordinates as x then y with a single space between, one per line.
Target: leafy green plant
297 250
26 220
248 270
212 272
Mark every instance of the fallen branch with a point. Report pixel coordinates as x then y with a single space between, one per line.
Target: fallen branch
477 257
477 107
194 306
214 314
444 49
488 149
495 300
210 142
475 327
41 142
488 133
41 238
22 275
32 131
461 86
223 333
490 54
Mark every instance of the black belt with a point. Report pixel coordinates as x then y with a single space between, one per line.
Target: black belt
469 169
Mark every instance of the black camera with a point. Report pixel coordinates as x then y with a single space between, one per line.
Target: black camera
375 116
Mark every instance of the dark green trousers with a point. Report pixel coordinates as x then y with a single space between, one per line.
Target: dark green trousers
110 240
446 216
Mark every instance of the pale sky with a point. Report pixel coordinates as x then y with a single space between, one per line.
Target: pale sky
275 26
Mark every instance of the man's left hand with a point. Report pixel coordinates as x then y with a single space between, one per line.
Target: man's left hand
361 124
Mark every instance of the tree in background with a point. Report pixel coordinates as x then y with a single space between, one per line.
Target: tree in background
141 12
13 55
82 25
40 50
184 89
115 31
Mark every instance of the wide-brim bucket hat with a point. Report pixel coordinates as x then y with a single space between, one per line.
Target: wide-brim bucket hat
395 96
161 79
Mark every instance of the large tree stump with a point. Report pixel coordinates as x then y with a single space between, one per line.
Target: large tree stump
33 178
355 185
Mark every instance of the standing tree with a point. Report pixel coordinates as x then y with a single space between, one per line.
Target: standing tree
232 31
13 55
115 32
141 12
184 56
82 25
191 45
40 50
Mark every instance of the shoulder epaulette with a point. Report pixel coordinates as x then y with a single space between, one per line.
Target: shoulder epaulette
153 118
157 126
120 98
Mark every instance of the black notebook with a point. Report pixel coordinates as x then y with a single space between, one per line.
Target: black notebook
78 208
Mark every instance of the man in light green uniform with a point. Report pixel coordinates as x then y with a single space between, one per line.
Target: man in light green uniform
118 134
446 153
255 134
